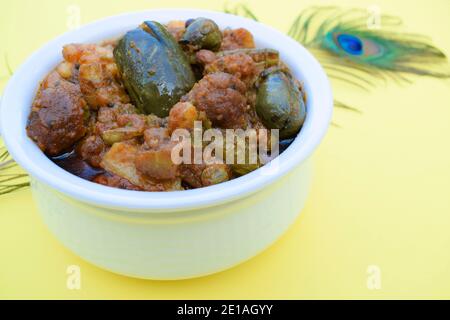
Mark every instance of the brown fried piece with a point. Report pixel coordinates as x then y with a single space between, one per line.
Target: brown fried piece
239 64
154 157
237 39
191 174
222 97
202 175
119 123
205 57
92 150
58 116
112 180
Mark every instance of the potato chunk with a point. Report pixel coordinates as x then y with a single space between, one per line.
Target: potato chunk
157 163
182 116
120 160
154 159
237 39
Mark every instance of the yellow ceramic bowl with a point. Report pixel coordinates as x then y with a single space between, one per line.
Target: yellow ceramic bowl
171 235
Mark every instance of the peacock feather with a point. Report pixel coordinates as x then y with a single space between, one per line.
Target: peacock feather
352 48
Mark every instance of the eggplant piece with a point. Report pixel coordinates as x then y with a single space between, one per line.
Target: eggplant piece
284 144
154 68
279 103
202 33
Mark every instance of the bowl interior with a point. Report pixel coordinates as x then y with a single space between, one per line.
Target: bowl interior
22 87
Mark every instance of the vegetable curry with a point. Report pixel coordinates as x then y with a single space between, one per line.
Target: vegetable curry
106 113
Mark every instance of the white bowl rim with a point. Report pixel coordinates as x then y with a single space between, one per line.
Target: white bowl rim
28 155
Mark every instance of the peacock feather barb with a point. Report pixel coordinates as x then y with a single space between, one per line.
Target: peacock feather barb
240 9
353 50
11 177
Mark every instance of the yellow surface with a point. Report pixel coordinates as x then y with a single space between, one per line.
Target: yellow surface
381 194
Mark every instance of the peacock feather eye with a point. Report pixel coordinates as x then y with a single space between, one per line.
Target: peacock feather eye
352 52
354 46
350 44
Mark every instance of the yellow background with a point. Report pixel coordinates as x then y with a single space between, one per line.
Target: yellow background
381 193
